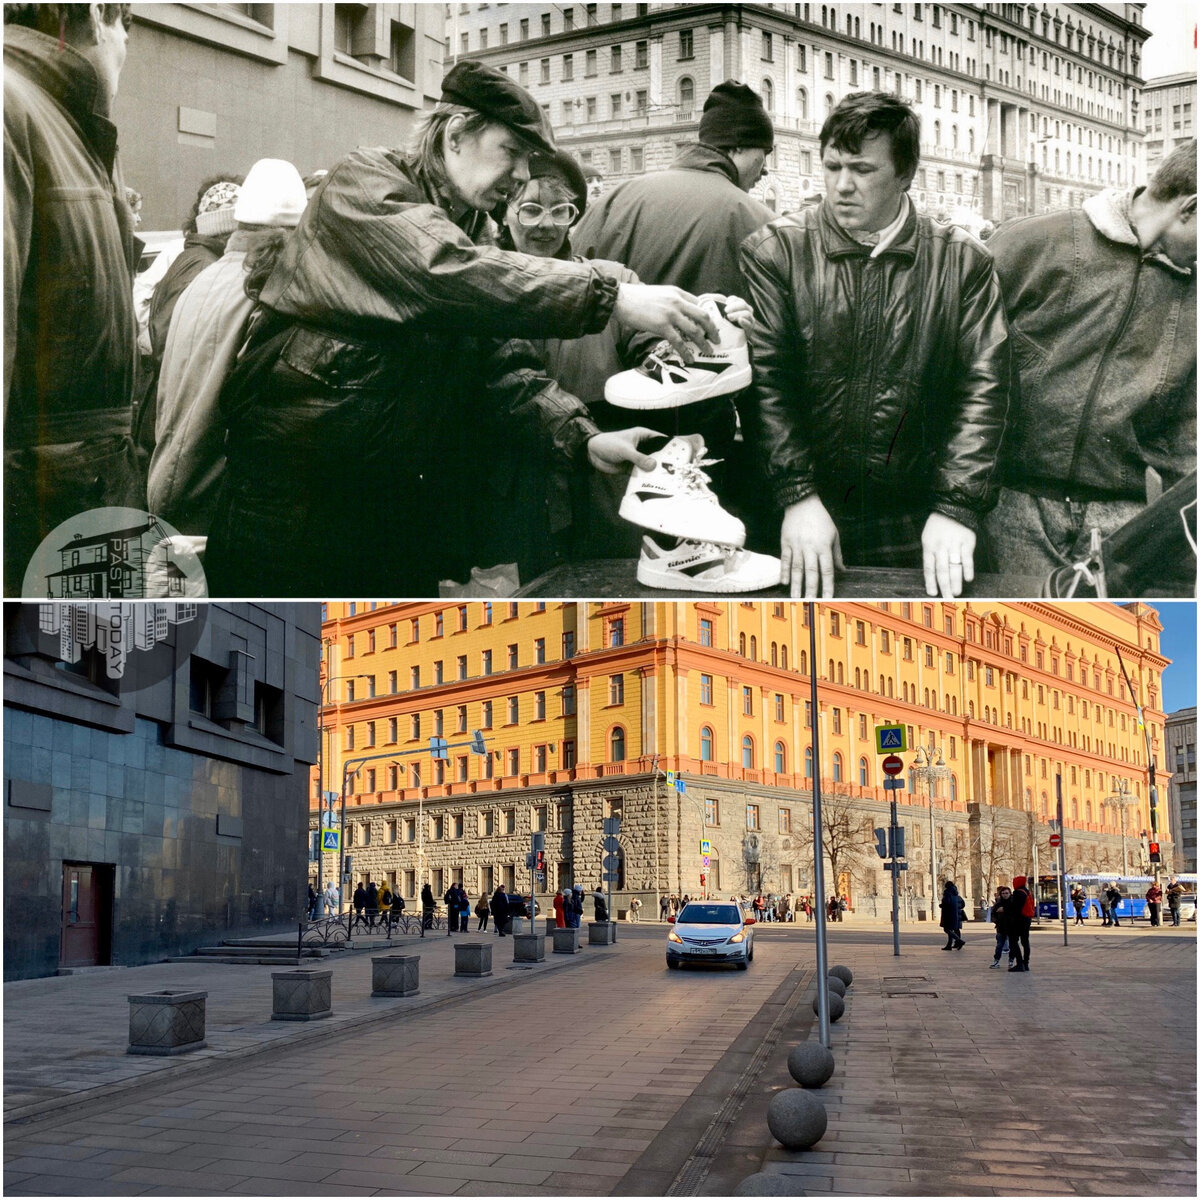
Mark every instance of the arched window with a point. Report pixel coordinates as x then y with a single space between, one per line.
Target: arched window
783 657
840 674
971 709
837 767
953 789
864 776
754 647
808 762
891 689
937 133
1074 808
954 137
803 662
830 103
770 199
616 744
858 677
687 94
881 685
780 758
768 95
706 744
830 675
774 654
1087 811
802 103
747 751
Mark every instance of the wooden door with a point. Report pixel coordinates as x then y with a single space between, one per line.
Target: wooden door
80 945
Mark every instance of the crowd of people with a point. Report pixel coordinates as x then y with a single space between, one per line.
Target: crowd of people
325 365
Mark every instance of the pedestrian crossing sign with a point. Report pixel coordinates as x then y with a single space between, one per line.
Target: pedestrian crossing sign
890 738
331 839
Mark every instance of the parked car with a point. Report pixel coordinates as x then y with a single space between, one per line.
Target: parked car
712 932
1187 906
518 905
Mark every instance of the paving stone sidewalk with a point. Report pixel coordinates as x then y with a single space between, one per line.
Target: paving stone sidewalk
952 1079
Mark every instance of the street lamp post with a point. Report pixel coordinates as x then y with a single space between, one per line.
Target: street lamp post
1122 801
930 772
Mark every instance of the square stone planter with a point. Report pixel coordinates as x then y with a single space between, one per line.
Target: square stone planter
473 959
602 933
529 947
396 975
167 1022
301 995
550 926
566 941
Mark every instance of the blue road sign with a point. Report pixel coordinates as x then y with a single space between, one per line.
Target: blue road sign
331 839
889 738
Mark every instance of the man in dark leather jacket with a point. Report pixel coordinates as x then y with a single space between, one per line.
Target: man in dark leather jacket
384 331
881 366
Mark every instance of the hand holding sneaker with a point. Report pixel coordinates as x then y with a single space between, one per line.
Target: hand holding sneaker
668 311
612 453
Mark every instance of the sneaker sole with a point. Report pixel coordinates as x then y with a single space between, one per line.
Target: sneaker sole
642 513
724 384
650 576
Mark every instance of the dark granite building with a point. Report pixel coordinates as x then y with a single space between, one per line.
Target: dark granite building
155 777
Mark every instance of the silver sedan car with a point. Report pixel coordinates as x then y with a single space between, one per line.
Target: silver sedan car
711 932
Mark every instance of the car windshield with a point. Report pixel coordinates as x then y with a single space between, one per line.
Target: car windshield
711 914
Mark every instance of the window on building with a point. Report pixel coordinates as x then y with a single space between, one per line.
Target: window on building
706 743
706 631
567 754
616 745
641 55
748 701
706 689
780 758
616 632
685 44
712 811
752 816
539 706
747 751
616 689
568 700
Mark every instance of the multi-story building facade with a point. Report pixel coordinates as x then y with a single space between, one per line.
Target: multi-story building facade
1168 114
214 87
1024 107
584 707
1181 762
156 760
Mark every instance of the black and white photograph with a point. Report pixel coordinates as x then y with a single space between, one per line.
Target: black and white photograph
599 300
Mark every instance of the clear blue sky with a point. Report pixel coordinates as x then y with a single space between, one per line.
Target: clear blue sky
1179 645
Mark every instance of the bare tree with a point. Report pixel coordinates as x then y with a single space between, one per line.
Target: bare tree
847 850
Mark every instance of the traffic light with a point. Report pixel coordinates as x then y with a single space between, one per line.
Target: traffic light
539 860
703 879
478 746
881 843
1155 856
898 847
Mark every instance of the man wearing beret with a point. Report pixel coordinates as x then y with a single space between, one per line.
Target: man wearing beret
684 225
387 327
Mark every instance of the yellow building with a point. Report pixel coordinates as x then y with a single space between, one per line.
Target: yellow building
584 708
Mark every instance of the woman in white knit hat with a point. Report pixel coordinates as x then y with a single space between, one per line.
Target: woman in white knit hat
207 329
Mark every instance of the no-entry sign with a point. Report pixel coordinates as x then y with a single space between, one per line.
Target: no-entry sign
892 765
1056 839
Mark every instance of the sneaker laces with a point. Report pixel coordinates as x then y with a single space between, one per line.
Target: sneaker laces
695 479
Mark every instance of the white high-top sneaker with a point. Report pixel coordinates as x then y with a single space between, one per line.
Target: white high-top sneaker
704 567
664 380
675 497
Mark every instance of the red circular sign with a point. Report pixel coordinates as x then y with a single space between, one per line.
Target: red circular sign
892 765
1056 839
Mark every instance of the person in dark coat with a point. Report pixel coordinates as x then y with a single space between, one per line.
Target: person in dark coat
482 912
428 904
684 225
953 911
601 904
1000 921
372 904
388 330
500 910
1114 904
1018 915
359 901
69 255
882 366
313 904
574 906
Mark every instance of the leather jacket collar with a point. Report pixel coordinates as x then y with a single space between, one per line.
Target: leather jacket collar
838 243
707 158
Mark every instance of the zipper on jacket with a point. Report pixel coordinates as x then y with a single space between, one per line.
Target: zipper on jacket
1098 379
871 273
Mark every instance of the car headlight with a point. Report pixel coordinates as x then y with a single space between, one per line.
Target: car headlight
739 937
674 937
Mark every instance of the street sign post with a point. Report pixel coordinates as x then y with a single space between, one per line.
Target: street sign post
1056 839
611 866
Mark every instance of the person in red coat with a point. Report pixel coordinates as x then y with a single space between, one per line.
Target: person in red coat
560 920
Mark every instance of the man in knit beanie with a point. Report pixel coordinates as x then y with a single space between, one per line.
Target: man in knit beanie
683 226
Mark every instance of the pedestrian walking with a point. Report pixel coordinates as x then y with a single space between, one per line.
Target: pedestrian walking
808 909
1000 900
831 908
1019 912
635 907
1105 911
359 901
372 905
427 905
1078 900
482 912
560 917
664 907
1154 895
333 899
1113 892
1175 893
450 899
314 903
500 911
953 911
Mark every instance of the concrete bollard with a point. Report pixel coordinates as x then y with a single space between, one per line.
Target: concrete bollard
602 933
836 984
551 925
837 1006
796 1119
473 960
566 941
529 947
396 975
301 995
763 1184
810 1064
166 1023
843 973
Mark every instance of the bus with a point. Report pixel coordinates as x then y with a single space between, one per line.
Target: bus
1132 889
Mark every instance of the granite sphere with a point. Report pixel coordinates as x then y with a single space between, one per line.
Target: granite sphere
810 1064
796 1119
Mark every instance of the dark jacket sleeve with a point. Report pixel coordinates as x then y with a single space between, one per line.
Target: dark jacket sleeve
371 249
771 409
967 481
